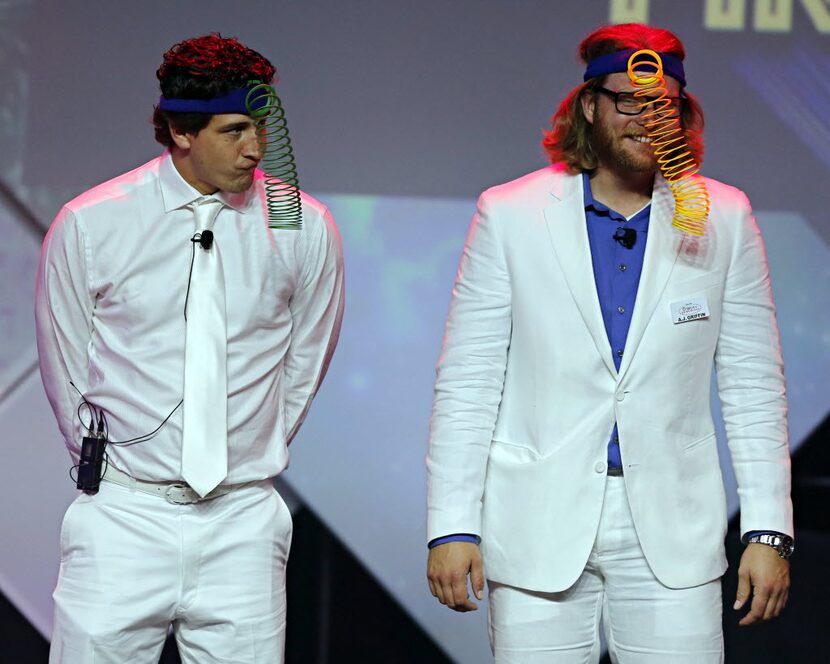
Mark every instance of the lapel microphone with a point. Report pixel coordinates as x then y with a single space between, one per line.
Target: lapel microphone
627 237
205 239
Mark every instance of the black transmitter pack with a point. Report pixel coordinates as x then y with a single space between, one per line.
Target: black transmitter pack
91 463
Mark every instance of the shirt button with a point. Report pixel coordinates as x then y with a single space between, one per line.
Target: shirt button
619 353
623 267
622 311
600 467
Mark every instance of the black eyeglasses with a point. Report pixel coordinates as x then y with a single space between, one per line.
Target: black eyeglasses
627 103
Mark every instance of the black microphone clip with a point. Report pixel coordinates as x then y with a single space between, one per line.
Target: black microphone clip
627 237
205 239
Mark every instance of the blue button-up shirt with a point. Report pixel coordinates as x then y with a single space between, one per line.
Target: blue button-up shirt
617 275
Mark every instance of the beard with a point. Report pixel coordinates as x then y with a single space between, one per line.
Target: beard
621 153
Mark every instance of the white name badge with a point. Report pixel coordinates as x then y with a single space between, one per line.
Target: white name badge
689 309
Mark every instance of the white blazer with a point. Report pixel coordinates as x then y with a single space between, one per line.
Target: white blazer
527 393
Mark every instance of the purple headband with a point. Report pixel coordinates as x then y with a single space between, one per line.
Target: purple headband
612 63
231 102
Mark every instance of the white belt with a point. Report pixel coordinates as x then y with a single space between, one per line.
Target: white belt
178 493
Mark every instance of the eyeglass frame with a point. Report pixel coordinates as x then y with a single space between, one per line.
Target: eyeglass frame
642 104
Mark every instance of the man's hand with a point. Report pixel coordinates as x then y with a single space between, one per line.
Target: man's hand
767 575
447 570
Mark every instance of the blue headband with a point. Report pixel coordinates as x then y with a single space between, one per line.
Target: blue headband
612 63
231 102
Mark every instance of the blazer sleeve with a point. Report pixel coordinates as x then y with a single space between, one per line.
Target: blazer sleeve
750 376
469 382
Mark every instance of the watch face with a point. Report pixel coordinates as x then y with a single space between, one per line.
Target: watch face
787 546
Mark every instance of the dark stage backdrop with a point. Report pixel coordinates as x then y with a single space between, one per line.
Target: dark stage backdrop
401 112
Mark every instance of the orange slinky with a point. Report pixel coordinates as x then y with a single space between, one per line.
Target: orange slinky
676 162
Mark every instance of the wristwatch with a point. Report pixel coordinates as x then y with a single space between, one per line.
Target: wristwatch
782 543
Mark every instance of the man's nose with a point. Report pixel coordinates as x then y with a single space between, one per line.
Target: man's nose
254 147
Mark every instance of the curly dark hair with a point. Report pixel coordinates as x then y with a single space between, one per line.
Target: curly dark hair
204 68
570 141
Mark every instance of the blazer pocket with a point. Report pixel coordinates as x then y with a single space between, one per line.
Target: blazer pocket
695 285
508 452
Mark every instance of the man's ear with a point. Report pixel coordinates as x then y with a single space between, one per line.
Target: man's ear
180 138
589 102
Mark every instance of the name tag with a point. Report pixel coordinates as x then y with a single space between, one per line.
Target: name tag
691 308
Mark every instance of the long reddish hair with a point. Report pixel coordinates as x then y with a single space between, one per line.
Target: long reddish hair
569 140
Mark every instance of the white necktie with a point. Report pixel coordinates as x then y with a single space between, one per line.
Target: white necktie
205 419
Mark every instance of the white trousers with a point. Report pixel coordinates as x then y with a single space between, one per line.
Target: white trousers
133 564
644 621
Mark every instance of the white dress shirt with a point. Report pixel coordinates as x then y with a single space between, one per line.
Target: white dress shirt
109 308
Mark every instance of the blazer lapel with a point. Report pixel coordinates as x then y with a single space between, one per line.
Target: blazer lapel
663 246
565 217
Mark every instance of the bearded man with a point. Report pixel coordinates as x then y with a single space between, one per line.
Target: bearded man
573 461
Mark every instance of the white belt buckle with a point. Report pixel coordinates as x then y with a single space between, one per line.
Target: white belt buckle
181 494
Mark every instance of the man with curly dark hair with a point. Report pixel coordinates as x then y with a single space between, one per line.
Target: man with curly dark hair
573 462
195 338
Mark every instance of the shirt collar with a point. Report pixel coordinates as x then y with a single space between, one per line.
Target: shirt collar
177 193
594 205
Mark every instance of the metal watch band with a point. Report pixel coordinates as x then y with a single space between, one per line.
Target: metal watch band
783 544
